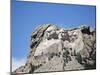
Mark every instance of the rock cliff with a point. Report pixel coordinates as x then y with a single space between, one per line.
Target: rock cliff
57 49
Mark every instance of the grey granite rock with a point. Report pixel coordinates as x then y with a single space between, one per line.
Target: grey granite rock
56 49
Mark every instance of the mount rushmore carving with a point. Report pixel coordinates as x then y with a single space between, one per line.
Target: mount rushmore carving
57 49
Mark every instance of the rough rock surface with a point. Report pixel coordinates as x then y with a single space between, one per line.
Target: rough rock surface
57 49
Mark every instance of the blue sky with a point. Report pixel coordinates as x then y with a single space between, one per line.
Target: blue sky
26 16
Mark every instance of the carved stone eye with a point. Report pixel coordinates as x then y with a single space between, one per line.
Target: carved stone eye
42 53
70 48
